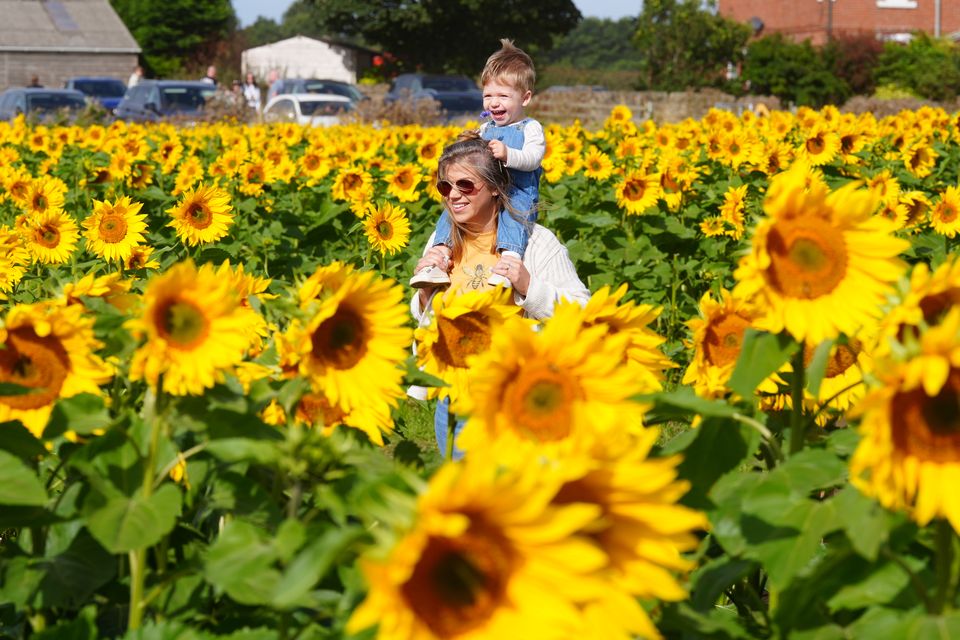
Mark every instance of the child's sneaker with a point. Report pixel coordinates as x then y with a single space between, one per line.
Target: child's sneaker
497 279
429 277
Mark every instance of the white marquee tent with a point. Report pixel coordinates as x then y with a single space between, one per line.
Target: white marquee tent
302 57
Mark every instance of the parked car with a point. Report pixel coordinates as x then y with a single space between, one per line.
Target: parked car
106 91
42 103
152 100
457 95
318 109
315 85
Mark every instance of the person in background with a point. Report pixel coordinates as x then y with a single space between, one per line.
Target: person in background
135 77
251 92
273 84
211 76
35 82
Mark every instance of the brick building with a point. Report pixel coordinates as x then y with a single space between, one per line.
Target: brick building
57 39
817 19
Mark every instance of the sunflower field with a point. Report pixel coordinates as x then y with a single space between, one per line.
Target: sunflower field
752 430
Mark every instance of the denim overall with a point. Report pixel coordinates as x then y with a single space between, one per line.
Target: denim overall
524 195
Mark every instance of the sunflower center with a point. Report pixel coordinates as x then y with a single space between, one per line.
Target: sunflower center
181 323
459 583
542 402
341 340
198 215
404 181
815 145
113 228
948 213
462 337
843 357
928 428
808 259
723 339
634 190
314 409
352 181
311 163
40 202
30 361
384 230
48 236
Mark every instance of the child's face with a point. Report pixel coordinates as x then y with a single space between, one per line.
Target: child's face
504 102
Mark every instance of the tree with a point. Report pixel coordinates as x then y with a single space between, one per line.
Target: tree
929 67
685 43
597 44
794 72
176 34
263 31
444 36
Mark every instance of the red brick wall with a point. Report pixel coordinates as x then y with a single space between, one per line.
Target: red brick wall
802 19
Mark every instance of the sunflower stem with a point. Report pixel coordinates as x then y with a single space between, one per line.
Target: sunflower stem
797 423
944 564
138 557
918 587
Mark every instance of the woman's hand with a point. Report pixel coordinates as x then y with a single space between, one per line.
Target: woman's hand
511 268
437 256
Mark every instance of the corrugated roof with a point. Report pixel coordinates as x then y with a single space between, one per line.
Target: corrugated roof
63 25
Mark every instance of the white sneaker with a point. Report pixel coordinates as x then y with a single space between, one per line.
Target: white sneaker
497 279
429 277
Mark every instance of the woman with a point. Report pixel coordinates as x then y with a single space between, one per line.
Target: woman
473 184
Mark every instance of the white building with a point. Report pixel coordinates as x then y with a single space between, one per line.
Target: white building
302 57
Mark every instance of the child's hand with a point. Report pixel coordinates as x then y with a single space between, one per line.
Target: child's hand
499 150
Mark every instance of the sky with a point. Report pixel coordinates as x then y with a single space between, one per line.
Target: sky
249 10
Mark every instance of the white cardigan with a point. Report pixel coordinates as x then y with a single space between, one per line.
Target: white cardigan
552 278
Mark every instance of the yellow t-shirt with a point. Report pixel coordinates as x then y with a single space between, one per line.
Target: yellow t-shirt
475 267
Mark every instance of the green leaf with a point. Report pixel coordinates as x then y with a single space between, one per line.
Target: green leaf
72 576
83 414
14 389
883 584
760 355
416 377
713 578
83 627
310 565
843 442
945 627
720 446
598 219
866 523
684 402
241 563
19 484
818 367
124 524
18 440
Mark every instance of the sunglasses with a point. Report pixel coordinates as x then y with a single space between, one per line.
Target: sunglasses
464 186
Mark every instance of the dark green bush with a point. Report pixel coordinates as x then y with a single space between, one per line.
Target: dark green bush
795 73
928 67
852 58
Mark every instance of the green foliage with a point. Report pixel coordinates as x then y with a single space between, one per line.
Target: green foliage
928 67
173 33
264 31
686 44
797 73
597 44
852 59
439 36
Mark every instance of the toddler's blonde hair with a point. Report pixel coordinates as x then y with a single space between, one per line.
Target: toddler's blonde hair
510 66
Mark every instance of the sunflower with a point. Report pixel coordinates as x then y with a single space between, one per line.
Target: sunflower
638 191
607 308
713 227
387 228
918 208
324 281
45 196
487 556
352 345
48 348
597 165
909 454
315 410
461 328
619 116
820 145
848 363
919 157
820 263
403 181
554 386
641 528
195 329
352 183
191 172
112 288
50 237
717 340
945 213
203 215
114 230
140 258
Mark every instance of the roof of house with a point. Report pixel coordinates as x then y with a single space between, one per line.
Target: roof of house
71 26
299 41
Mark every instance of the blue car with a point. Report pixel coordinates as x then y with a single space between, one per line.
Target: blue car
457 95
153 100
107 91
39 103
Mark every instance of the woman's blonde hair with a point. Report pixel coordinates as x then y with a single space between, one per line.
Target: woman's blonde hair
471 151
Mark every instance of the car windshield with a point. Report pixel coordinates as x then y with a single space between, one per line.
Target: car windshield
101 88
53 101
344 90
323 108
185 97
448 84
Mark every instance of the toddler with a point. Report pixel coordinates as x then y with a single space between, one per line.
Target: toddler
517 141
